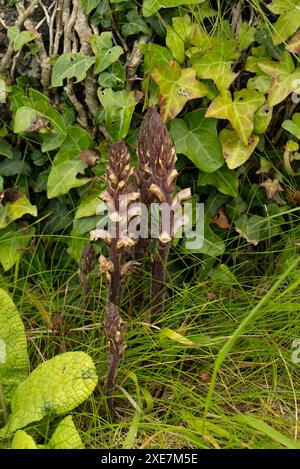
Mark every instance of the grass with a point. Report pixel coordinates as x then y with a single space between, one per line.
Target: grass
220 355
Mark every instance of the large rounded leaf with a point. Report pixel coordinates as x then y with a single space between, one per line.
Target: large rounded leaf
14 362
53 388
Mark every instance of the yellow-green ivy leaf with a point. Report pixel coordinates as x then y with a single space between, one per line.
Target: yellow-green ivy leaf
176 87
293 126
262 119
235 151
55 387
285 78
239 111
177 34
150 7
288 21
14 363
18 38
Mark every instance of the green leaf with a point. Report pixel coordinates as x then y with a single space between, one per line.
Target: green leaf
67 163
177 35
70 65
235 151
14 362
22 440
262 119
113 77
289 20
213 245
246 36
176 87
6 149
239 111
152 6
24 119
285 78
118 107
249 227
135 25
13 242
90 5
65 436
216 64
105 53
293 45
55 387
41 105
224 179
18 38
293 126
90 200
196 137
16 206
154 56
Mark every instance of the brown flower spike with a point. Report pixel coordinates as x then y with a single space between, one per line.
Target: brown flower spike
157 180
119 172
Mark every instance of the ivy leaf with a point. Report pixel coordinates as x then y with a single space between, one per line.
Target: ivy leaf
235 151
67 163
196 137
250 228
134 25
293 126
285 78
14 362
154 56
22 440
70 65
55 387
18 38
246 36
239 111
216 64
152 6
262 119
212 246
113 77
90 5
224 179
118 107
289 20
176 87
16 205
105 53
41 105
177 35
13 242
66 436
293 45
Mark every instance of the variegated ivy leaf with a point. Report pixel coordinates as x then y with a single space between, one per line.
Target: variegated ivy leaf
106 54
288 21
285 78
216 64
55 387
235 151
176 87
70 65
293 126
14 363
239 111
